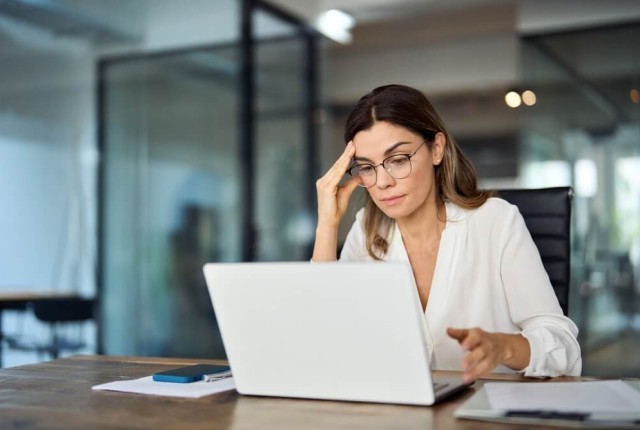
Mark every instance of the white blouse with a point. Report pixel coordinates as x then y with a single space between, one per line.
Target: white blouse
489 275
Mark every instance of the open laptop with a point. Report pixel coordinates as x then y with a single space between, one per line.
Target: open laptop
338 331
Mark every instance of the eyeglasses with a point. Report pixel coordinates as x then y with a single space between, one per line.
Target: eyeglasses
398 166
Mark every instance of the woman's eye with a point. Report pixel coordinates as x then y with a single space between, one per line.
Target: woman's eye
365 170
398 161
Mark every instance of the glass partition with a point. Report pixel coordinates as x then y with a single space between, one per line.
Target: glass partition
171 197
284 222
175 175
584 131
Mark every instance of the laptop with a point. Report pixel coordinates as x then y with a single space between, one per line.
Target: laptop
335 331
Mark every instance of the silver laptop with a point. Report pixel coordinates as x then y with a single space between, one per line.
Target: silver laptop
338 331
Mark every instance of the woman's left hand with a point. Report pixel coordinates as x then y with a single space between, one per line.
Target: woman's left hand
486 350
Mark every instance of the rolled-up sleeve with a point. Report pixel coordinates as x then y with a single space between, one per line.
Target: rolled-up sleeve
534 306
554 351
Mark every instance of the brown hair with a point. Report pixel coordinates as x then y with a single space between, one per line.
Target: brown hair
455 177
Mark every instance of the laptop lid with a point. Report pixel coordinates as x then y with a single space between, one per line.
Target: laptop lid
341 331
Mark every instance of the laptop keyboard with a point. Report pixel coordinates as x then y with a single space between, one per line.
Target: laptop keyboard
439 386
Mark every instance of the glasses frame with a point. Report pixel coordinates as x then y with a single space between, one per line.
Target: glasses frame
388 170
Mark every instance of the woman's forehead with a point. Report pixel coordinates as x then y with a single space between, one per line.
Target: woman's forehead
381 136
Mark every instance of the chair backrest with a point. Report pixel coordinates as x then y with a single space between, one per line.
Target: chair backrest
68 312
547 213
64 309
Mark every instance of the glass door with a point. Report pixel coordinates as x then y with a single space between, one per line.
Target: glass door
584 131
284 147
182 185
170 198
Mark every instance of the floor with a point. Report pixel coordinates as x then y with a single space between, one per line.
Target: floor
24 326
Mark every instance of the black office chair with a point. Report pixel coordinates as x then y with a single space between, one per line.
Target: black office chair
60 314
547 214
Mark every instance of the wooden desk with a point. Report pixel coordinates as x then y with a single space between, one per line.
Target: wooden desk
19 299
57 394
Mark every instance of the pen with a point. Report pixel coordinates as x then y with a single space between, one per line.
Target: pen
547 414
216 376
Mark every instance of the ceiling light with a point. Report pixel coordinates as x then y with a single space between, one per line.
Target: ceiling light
512 99
529 98
336 24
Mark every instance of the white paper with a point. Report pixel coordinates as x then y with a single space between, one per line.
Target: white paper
147 385
580 397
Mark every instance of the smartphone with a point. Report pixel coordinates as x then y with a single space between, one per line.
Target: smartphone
193 373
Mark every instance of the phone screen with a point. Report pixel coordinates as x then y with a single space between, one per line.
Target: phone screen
192 373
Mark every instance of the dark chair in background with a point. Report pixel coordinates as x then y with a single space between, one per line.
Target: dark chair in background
64 317
547 213
58 313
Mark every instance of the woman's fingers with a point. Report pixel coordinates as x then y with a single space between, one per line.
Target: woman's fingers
341 165
479 369
457 333
334 175
333 198
476 363
345 158
484 351
473 358
344 193
467 338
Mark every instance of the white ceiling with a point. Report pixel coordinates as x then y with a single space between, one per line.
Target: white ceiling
367 11
533 16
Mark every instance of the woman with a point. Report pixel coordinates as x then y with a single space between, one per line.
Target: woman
488 302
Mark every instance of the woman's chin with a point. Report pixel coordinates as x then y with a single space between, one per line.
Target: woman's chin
393 212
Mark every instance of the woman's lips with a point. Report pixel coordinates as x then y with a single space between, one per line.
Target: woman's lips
391 201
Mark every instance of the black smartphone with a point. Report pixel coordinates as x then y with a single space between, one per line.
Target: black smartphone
193 373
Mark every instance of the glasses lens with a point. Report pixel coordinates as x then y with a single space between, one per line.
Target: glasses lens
398 166
365 173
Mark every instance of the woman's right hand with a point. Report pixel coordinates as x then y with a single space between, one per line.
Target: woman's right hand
333 198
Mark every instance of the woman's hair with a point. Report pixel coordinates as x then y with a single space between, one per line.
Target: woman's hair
455 176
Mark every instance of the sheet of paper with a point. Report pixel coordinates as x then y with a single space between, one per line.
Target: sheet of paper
147 385
582 397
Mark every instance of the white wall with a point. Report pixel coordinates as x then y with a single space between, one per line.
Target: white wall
447 52
540 16
448 66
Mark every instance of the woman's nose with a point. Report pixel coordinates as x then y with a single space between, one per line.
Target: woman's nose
384 178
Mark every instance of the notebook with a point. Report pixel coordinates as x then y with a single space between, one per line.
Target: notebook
598 404
335 331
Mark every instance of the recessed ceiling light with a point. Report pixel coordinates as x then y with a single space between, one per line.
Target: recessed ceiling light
529 98
336 24
512 99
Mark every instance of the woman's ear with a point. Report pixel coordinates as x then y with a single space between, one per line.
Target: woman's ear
437 150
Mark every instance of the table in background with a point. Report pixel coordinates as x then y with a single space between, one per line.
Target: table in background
20 299
57 394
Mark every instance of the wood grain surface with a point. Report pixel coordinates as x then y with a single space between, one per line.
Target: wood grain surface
57 395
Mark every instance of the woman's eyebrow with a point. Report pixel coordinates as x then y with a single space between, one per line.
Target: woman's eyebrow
386 153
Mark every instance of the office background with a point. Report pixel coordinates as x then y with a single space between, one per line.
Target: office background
129 154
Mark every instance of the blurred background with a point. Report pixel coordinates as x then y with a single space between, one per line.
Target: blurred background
140 139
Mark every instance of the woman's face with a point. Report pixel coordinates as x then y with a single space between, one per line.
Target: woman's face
399 198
